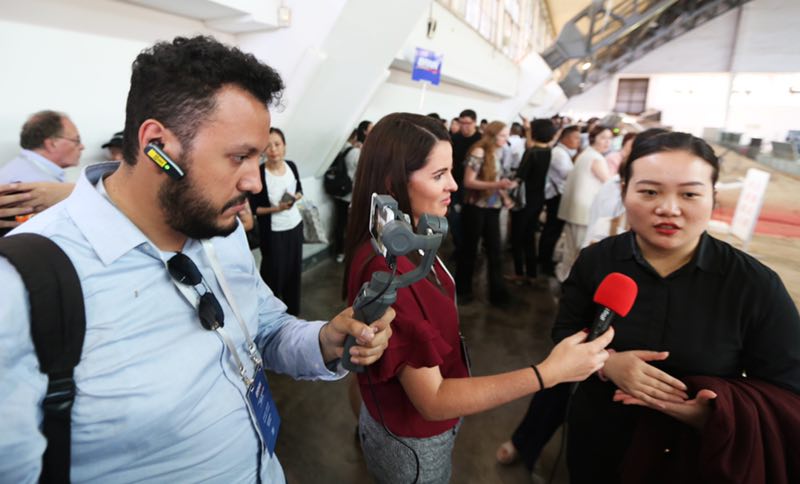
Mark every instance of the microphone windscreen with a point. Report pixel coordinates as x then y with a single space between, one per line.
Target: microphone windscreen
617 292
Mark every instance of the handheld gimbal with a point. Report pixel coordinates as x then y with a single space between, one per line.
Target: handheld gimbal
393 236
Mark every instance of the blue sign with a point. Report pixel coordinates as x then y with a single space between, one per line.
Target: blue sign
427 67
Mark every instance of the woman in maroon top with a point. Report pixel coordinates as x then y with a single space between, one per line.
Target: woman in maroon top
421 386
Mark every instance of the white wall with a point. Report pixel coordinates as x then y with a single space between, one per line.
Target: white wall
346 67
468 57
763 106
475 75
700 78
75 56
298 51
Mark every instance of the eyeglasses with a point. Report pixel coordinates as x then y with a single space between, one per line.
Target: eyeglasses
77 140
184 270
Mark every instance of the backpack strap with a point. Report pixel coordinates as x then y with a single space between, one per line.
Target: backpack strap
58 326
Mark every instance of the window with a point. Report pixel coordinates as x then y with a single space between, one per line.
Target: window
631 96
515 27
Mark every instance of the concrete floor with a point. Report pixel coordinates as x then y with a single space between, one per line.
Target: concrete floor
317 442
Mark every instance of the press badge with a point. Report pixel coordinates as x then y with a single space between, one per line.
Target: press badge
264 411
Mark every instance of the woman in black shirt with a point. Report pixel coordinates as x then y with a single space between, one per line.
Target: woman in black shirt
703 308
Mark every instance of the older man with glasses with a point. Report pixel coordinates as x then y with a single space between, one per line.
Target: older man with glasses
50 142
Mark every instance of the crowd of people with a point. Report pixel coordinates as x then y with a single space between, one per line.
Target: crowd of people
171 384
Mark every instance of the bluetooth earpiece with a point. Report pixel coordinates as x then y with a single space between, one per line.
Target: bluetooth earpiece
154 152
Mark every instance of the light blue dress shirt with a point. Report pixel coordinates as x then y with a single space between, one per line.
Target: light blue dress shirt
158 397
30 166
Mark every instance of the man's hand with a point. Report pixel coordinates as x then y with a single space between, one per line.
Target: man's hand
693 412
13 202
46 194
35 196
371 340
630 371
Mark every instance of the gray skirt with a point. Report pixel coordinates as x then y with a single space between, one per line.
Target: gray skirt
389 462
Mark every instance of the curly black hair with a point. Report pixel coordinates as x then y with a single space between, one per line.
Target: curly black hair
177 82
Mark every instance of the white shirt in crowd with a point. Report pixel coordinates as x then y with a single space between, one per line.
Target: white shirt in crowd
278 185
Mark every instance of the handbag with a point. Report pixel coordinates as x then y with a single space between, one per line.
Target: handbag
517 195
313 230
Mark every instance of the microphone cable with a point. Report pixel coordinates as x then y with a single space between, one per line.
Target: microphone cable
374 395
564 427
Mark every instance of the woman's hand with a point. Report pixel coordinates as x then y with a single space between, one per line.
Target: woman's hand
574 360
693 412
507 201
630 371
506 184
246 216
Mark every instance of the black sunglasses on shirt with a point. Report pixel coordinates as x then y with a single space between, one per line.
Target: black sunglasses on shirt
183 270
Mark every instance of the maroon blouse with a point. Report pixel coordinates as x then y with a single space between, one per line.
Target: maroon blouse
424 334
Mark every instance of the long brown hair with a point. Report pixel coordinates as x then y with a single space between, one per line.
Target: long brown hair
488 142
398 145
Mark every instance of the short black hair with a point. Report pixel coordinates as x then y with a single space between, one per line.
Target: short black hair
279 133
648 143
468 113
572 128
434 116
543 130
361 130
177 82
39 127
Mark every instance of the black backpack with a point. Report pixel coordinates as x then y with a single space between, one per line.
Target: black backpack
336 181
58 326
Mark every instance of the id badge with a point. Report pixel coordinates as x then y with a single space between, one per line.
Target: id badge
265 413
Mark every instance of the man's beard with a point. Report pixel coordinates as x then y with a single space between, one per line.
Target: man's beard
191 214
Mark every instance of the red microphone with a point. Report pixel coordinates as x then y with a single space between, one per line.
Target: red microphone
616 295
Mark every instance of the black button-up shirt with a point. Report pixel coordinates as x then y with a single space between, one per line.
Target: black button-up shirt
722 314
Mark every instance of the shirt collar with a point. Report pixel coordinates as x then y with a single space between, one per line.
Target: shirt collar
705 257
569 151
45 164
110 233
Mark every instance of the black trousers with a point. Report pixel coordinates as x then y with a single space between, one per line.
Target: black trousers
593 417
551 231
481 223
524 223
545 415
454 226
282 266
340 229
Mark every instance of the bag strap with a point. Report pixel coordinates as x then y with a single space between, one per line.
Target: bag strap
342 159
293 167
58 327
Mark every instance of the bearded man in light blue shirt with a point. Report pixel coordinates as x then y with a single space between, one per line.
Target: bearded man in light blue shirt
50 142
160 398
